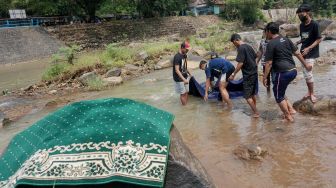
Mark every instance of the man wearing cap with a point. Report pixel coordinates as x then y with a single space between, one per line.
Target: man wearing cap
279 58
310 39
180 74
221 69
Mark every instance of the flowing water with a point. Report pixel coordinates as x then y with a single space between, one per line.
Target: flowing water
301 154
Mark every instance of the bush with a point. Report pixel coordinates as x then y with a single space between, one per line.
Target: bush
55 70
96 84
246 10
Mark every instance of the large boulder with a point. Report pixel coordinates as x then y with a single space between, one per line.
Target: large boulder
290 30
86 77
113 72
184 169
324 105
200 51
112 81
131 67
330 31
324 23
164 63
328 58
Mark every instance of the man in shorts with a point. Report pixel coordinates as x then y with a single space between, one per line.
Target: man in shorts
310 39
221 69
246 59
180 74
279 57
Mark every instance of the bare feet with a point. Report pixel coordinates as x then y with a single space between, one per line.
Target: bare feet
313 99
256 115
292 112
307 96
289 118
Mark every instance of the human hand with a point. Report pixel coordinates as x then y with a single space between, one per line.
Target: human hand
186 81
265 82
205 97
231 77
306 51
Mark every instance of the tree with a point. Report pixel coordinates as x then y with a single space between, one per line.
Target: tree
89 7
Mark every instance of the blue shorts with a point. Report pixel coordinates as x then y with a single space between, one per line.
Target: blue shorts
281 80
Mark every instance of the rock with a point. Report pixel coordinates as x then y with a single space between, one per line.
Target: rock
231 58
328 58
143 56
259 24
324 105
330 31
51 104
174 38
203 35
184 169
131 67
165 63
290 30
200 51
52 92
113 72
112 81
84 79
250 152
324 23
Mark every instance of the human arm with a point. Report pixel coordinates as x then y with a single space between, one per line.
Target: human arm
238 68
302 60
207 85
298 42
309 48
268 67
259 55
179 73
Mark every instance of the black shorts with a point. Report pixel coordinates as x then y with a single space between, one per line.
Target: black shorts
227 75
250 85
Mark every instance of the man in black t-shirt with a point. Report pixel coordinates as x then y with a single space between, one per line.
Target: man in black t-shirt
180 74
310 39
279 57
246 59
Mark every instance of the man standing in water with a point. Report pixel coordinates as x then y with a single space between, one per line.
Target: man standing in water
279 57
222 70
180 74
310 39
246 59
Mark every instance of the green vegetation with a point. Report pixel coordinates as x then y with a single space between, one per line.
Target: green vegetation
115 55
96 84
247 11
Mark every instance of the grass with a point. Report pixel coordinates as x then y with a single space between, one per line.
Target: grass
96 84
117 55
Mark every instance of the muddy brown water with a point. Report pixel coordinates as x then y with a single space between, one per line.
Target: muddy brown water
301 154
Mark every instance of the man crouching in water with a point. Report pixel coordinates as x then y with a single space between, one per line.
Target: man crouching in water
221 69
180 74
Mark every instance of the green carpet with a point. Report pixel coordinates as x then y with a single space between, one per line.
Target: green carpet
91 142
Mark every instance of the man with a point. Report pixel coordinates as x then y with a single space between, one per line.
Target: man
222 70
246 59
279 57
261 57
310 40
180 74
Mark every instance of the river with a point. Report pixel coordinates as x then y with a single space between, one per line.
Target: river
301 154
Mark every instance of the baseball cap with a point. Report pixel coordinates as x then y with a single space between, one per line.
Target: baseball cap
303 8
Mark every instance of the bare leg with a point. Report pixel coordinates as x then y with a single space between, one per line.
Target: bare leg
253 106
284 108
184 99
311 91
225 94
290 107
